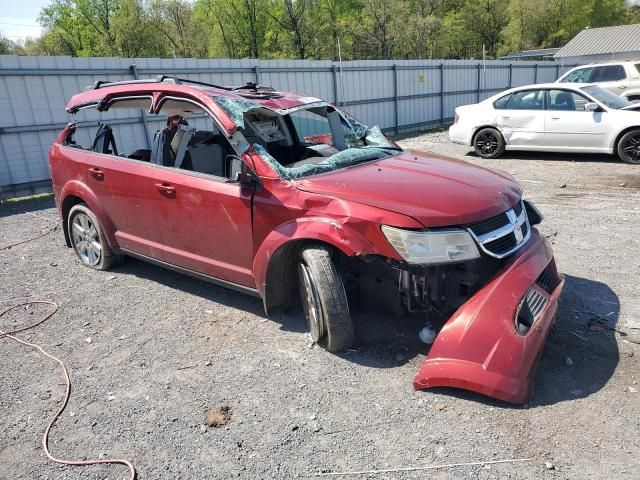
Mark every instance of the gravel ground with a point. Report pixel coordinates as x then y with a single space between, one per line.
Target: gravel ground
164 348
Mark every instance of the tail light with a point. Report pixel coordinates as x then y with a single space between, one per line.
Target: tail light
457 117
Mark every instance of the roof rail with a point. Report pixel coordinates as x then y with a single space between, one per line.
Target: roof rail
159 79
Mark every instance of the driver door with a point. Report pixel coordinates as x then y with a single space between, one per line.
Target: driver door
569 126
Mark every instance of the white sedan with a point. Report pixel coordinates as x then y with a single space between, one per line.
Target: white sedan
551 118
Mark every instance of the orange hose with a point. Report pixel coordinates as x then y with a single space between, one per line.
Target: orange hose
45 436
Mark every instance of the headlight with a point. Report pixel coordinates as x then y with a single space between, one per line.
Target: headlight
432 247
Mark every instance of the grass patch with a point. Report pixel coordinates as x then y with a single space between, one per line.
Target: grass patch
37 196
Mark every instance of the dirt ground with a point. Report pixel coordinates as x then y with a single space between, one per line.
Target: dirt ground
150 352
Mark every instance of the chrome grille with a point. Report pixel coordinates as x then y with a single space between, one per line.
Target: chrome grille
503 234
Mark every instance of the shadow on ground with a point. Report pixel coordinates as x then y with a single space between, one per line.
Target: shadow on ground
24 206
552 156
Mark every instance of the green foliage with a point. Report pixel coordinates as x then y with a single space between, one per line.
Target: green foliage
314 29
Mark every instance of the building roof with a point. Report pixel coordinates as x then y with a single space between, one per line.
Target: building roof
597 41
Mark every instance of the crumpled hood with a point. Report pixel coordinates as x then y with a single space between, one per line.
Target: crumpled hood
435 190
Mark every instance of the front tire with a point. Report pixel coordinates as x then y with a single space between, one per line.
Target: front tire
488 143
324 300
88 241
629 147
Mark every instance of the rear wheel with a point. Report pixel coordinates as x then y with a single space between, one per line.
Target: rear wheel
324 300
629 147
88 240
488 143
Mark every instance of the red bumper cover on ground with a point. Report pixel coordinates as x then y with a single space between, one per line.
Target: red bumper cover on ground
479 348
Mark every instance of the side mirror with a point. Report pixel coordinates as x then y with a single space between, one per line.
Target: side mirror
592 107
234 168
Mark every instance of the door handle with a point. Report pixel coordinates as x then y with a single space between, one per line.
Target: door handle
555 118
506 116
96 173
622 87
166 188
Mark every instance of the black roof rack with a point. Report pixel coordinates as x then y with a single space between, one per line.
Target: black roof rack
178 81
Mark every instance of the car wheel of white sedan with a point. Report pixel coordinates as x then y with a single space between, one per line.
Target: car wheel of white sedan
629 147
488 143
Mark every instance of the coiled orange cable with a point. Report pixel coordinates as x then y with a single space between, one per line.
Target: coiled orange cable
45 436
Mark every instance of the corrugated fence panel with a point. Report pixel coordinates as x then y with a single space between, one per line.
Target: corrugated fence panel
400 95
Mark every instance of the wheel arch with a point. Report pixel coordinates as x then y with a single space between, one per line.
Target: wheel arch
76 192
275 261
620 135
481 127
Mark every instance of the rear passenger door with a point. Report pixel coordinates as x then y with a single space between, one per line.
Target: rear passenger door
116 169
611 77
520 117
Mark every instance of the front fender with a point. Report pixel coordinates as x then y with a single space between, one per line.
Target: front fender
341 236
75 188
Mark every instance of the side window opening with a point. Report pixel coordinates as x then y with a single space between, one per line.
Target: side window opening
502 102
526 100
182 135
565 100
116 130
189 140
608 73
582 75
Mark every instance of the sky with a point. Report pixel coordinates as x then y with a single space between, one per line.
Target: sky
20 21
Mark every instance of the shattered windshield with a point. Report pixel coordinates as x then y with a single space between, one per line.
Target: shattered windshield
306 140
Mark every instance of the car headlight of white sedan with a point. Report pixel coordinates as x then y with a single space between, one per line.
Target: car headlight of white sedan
432 247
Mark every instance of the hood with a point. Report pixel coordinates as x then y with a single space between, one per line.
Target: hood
634 107
436 191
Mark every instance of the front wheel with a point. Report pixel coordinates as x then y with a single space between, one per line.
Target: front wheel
324 300
629 147
488 143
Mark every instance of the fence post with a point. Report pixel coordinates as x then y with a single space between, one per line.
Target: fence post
478 91
134 71
441 94
395 97
256 70
535 73
510 75
557 71
334 72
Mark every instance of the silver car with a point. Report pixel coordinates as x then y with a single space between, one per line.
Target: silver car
621 78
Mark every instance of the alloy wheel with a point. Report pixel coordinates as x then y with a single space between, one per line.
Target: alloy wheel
86 239
631 148
488 142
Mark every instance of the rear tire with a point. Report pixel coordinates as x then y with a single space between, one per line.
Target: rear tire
488 143
629 147
324 300
88 241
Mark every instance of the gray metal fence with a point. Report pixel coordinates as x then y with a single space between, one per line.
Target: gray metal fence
398 96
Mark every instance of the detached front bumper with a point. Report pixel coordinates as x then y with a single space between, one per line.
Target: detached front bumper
480 348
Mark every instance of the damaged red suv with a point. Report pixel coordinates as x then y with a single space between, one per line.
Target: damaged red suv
274 193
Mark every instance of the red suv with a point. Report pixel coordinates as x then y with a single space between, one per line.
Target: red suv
271 193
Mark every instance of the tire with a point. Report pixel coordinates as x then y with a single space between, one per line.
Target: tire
324 300
488 143
88 241
629 147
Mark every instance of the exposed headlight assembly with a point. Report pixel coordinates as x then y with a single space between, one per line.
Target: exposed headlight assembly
433 247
